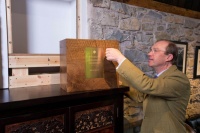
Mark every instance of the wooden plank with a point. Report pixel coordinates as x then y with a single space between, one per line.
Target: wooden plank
19 71
9 26
151 4
78 18
27 60
34 80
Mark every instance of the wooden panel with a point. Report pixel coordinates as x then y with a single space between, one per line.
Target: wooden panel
33 60
49 124
84 66
162 7
97 119
33 80
19 71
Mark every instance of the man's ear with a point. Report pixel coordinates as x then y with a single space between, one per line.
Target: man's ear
170 57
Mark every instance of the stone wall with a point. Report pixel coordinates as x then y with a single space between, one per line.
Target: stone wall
136 29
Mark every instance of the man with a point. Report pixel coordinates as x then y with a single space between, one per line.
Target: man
164 98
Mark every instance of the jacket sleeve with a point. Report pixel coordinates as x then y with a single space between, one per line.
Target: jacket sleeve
133 94
169 85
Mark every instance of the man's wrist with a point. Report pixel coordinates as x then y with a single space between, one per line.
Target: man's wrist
121 59
121 62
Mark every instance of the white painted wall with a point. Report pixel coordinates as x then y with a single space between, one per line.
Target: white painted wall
38 26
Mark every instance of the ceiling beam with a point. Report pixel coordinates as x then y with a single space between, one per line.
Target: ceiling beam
151 4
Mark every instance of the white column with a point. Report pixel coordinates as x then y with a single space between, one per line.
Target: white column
4 47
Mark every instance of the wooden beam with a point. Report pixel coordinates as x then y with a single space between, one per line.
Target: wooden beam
78 18
19 71
162 7
33 80
33 60
9 26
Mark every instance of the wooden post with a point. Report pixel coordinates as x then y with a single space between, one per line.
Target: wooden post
9 26
78 19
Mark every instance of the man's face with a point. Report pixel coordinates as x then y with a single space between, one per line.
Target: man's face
157 56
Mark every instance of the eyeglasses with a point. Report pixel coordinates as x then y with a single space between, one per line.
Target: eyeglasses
155 50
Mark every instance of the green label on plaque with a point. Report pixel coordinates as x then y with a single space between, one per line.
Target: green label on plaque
94 62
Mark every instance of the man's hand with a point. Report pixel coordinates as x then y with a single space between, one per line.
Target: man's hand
113 54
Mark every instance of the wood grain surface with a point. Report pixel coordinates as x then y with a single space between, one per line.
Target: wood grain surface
73 65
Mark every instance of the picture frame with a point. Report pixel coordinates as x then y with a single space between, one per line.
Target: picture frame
182 55
196 72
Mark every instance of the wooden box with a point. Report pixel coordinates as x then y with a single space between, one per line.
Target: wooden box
83 65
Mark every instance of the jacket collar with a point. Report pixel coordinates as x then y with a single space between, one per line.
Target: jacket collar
169 70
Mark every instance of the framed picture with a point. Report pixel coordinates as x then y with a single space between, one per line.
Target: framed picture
196 71
182 55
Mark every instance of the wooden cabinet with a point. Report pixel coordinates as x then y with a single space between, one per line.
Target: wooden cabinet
48 109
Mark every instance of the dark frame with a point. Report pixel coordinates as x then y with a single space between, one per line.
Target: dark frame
196 72
187 4
182 55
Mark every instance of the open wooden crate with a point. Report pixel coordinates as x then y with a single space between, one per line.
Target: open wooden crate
32 69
